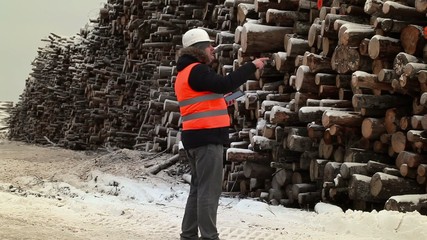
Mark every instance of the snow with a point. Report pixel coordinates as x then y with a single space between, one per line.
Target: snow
239 150
54 193
322 207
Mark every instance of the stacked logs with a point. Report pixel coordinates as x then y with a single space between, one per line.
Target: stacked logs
337 115
112 85
349 91
6 108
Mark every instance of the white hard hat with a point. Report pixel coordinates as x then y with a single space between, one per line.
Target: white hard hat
195 35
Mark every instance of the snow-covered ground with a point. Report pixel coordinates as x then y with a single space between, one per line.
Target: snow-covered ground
54 193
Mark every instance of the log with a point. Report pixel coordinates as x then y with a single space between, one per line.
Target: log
351 34
257 170
300 176
326 149
373 128
387 75
360 188
412 159
261 143
264 5
327 45
343 80
374 166
283 176
346 59
381 63
267 105
331 170
308 199
315 131
299 143
331 18
416 136
314 32
390 25
282 115
317 167
336 103
347 169
325 79
345 118
421 6
398 142
412 69
311 114
383 47
302 188
408 172
169 162
241 155
296 46
283 62
383 186
240 144
244 11
257 38
285 18
317 63
392 118
416 122
422 170
363 156
400 11
305 80
361 79
407 203
380 102
403 58
269 131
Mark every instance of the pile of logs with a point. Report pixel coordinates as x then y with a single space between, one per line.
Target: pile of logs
5 109
344 118
338 115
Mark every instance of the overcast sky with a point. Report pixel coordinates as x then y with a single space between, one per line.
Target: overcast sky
24 23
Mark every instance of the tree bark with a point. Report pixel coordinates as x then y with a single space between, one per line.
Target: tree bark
384 186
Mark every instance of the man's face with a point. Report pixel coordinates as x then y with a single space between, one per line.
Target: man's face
210 53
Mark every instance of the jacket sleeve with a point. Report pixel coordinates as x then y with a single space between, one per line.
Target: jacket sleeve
204 78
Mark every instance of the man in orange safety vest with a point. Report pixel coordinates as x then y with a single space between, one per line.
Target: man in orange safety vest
205 127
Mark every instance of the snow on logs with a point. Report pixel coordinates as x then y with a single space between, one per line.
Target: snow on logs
407 203
242 155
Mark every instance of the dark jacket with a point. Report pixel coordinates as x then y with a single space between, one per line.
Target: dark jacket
204 78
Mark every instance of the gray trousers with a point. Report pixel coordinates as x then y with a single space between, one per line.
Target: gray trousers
205 190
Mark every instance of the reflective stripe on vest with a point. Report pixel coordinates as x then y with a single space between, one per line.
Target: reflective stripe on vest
200 99
204 114
199 110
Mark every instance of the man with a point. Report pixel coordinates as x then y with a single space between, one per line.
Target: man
205 125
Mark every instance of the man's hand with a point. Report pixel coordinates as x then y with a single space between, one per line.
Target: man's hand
260 62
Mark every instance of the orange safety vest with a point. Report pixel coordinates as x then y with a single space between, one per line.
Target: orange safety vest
199 110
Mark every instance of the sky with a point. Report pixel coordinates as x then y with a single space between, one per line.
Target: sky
24 24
